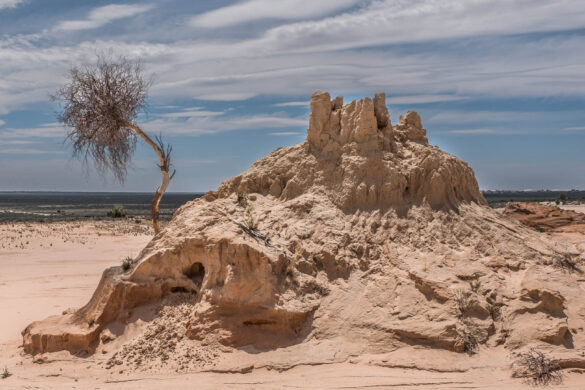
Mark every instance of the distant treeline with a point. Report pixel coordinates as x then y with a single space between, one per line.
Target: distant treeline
501 197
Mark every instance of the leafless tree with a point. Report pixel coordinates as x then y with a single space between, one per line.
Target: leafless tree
99 106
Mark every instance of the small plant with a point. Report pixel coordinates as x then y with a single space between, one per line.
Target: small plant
127 263
242 198
118 211
537 368
563 198
475 285
251 224
566 262
462 301
495 311
6 373
470 344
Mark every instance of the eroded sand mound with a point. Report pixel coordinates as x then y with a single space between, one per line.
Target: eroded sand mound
546 218
375 241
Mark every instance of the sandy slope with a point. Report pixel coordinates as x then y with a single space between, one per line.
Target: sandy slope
39 279
47 268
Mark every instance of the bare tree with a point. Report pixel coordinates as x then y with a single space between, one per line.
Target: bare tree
100 104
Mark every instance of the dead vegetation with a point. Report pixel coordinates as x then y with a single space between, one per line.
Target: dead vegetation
536 368
100 105
566 261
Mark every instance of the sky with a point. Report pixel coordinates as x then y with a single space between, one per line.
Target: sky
498 83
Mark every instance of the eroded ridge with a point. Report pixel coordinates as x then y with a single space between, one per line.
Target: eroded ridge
372 240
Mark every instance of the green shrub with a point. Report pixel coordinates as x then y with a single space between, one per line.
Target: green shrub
127 263
6 373
242 198
251 224
470 343
118 211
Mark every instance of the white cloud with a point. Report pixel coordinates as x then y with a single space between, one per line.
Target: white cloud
103 15
456 116
214 124
285 133
10 3
48 130
6 142
575 128
390 22
2 122
293 104
298 58
422 99
252 10
473 131
21 151
192 113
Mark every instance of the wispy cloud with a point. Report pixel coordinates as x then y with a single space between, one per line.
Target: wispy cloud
2 122
21 151
293 104
10 3
575 128
6 142
217 124
456 116
192 113
473 131
48 130
103 15
423 99
252 10
285 133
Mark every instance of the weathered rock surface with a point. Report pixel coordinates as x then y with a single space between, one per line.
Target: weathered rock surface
376 241
546 218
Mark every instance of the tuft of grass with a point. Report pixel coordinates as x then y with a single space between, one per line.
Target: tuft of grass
462 300
495 311
537 368
127 263
565 261
6 373
470 343
118 211
475 285
242 198
251 224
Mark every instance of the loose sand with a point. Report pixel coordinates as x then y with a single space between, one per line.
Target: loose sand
60 267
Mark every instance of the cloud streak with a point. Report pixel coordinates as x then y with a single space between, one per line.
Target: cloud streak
253 10
103 15
10 3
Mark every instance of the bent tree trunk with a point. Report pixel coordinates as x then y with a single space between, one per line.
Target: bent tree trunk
164 164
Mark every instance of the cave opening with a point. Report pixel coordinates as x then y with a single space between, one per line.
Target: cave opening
196 273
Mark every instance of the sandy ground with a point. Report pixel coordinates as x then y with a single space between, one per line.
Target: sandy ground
47 268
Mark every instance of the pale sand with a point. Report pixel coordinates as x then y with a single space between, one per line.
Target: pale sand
47 268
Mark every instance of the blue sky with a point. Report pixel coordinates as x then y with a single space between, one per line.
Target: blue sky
498 83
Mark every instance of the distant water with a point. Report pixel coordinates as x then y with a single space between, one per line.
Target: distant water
70 206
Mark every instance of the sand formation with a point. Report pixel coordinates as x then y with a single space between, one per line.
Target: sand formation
546 218
361 240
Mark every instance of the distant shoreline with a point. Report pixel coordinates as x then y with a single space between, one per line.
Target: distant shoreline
54 206
47 206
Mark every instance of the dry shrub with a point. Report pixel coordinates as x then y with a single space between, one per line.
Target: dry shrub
537 368
462 300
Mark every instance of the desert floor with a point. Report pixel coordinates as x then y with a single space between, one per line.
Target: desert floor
48 268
